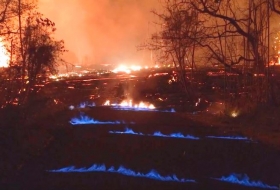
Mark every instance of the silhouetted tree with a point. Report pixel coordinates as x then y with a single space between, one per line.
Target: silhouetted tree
34 53
12 12
233 34
179 25
4 5
274 5
247 23
41 50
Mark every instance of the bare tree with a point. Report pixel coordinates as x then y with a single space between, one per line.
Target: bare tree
247 20
239 40
10 29
232 33
4 5
179 26
274 5
12 10
41 50
34 53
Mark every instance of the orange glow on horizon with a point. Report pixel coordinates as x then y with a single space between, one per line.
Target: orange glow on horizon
4 56
126 69
102 32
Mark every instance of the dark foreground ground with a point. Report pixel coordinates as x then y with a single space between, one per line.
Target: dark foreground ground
84 145
32 146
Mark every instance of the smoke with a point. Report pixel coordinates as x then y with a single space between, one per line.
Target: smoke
102 31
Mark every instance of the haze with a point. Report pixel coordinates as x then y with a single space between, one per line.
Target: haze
98 32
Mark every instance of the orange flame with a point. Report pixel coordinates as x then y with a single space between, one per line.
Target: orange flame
130 104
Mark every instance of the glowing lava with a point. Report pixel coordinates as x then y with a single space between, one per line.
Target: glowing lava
244 180
84 120
126 69
155 134
234 114
153 174
4 56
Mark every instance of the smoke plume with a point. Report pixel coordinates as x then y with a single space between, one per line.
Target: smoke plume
102 31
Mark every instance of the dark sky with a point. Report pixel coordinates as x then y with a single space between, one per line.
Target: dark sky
102 31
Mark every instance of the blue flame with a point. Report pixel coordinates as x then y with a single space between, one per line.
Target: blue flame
86 104
175 135
91 104
229 137
131 108
83 120
178 135
156 134
153 174
71 107
171 111
128 108
127 131
82 105
243 179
